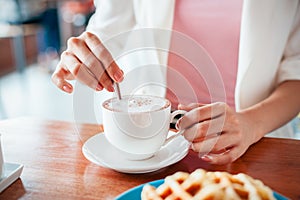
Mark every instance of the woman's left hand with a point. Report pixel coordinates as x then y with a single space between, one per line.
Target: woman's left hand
216 131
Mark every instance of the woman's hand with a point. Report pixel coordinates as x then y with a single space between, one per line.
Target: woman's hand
87 60
216 131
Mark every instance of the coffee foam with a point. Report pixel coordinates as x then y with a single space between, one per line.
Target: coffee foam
136 104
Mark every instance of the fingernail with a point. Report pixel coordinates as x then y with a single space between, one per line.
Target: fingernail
99 87
207 158
110 88
118 76
67 88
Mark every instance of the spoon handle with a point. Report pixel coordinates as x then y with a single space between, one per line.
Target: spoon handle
117 89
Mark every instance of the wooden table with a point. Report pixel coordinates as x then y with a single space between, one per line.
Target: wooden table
55 168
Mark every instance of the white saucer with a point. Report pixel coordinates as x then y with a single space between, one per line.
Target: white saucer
11 172
99 151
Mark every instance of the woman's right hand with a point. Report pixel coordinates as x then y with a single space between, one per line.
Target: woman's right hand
87 60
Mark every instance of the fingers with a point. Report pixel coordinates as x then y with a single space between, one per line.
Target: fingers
224 158
202 113
214 131
58 78
205 146
87 60
84 55
189 106
205 129
69 64
215 144
103 55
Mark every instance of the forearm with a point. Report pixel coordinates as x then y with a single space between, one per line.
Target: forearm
276 110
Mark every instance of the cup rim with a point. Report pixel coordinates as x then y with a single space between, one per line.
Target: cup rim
167 104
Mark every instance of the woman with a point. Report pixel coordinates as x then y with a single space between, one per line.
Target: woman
264 87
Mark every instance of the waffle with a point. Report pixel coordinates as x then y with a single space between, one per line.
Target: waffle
207 186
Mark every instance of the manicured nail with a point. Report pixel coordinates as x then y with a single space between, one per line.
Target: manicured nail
207 158
118 76
110 88
67 88
99 87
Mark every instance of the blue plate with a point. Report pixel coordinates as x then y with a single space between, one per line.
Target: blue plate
135 193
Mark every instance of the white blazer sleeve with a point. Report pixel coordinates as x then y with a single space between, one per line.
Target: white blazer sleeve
289 68
111 18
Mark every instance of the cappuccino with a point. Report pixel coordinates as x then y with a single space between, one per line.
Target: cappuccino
136 104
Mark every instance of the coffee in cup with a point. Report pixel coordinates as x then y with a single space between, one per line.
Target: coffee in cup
138 125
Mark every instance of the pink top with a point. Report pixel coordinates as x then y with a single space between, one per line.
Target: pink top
214 25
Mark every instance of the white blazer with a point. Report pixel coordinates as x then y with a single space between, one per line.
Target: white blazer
269 50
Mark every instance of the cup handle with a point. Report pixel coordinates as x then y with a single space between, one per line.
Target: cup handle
180 132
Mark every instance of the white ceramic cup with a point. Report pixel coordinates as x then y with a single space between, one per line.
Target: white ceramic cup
138 125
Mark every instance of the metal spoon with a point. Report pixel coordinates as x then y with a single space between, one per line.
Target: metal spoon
117 89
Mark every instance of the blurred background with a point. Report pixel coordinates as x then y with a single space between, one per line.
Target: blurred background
33 34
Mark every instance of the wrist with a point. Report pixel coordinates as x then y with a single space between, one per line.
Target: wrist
252 126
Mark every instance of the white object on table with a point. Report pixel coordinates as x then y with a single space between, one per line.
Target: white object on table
1 159
9 172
